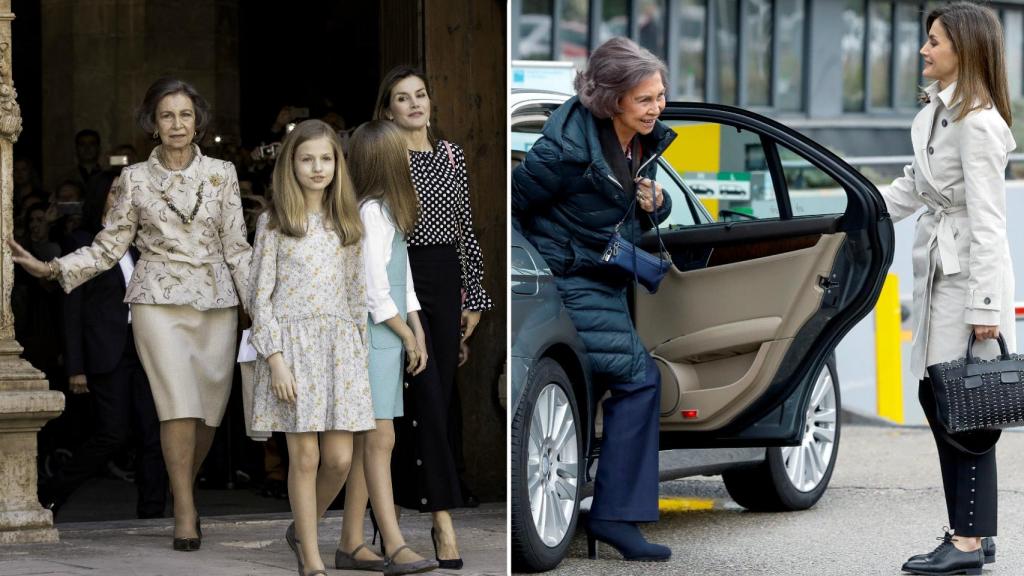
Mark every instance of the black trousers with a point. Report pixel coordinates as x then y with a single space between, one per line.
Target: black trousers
968 464
423 465
124 414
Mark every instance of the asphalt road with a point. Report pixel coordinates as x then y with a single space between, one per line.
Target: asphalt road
884 504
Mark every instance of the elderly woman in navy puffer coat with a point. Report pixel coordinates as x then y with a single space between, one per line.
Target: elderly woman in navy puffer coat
577 182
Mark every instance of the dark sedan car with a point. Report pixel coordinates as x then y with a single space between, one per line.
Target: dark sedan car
768 275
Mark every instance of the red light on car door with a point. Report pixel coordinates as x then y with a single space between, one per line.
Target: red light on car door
689 414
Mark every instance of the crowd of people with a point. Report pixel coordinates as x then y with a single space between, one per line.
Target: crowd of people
135 281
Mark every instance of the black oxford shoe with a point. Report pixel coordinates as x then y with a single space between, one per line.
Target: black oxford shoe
947 560
988 546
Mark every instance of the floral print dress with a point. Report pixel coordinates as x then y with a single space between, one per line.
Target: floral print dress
308 302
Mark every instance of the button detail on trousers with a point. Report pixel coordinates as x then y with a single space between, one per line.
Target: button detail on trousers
945 123
423 500
414 424
419 462
931 150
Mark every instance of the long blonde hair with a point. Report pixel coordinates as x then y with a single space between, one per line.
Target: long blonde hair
288 207
977 39
380 171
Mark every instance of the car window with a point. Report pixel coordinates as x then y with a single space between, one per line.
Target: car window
683 212
726 168
527 123
811 191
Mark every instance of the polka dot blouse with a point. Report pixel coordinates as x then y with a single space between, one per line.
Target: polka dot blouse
442 185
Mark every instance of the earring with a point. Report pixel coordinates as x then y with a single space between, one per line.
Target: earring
156 134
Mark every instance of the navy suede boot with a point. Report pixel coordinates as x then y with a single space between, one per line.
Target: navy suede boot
627 539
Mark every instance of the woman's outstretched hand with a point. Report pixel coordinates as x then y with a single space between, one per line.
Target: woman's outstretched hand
27 261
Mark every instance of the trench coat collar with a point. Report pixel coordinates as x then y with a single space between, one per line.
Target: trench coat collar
161 178
945 95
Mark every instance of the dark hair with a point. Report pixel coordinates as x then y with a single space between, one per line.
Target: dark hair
394 76
145 116
87 132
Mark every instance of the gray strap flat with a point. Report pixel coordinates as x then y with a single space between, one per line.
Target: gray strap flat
391 568
348 561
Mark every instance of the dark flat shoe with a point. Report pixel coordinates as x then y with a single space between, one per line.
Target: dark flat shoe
988 548
947 560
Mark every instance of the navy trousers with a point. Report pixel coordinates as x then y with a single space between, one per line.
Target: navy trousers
626 488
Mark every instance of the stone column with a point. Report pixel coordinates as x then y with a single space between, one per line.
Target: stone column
26 402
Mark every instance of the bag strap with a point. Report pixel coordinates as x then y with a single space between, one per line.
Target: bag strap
451 156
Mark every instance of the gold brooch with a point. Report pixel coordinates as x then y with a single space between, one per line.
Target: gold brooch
216 179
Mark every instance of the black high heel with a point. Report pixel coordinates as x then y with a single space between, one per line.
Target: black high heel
189 544
452 564
376 531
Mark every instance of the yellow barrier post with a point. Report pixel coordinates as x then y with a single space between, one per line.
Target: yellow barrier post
888 364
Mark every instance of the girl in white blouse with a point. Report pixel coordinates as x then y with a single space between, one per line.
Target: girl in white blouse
380 172
308 305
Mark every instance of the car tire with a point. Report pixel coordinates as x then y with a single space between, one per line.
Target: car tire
554 467
782 483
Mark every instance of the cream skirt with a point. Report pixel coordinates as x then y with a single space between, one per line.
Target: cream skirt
189 357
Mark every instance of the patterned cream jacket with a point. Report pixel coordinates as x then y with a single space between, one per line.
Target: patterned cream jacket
963 275
203 264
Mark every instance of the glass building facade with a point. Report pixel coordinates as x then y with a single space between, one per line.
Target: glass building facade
758 53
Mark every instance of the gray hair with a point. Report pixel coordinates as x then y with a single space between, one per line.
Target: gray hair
614 68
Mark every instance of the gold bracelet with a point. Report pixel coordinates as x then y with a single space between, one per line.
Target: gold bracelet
54 269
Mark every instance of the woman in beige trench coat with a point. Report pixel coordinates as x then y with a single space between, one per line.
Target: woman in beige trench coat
963 276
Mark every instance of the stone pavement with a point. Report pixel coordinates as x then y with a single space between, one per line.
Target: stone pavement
241 545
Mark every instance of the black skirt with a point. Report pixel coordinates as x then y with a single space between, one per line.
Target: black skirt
423 465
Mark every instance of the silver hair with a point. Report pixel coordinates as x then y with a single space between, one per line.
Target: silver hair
614 68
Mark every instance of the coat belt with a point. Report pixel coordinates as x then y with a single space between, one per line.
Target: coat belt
193 260
943 238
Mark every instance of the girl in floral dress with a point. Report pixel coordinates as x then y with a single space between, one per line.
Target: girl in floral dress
309 312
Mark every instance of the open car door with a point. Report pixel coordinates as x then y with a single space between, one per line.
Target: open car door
779 249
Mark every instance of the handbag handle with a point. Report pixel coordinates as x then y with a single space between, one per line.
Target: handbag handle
970 359
657 230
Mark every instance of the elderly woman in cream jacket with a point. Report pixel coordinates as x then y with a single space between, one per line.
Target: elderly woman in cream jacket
963 276
183 211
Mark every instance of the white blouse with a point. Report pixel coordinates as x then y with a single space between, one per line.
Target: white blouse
378 234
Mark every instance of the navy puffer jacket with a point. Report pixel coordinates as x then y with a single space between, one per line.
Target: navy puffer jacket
566 202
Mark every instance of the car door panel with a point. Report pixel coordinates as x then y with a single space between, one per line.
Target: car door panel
717 342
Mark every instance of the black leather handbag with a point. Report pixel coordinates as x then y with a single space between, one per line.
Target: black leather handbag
645 268
973 394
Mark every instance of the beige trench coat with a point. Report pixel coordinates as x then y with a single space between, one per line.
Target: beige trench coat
963 275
